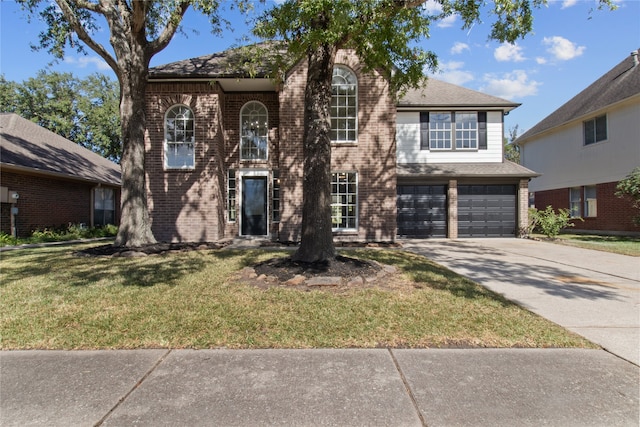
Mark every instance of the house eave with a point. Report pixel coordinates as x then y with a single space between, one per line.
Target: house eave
59 175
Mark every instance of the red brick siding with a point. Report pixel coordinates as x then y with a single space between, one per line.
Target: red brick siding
614 213
47 202
185 205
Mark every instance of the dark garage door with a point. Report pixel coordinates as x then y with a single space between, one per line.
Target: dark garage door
486 210
422 211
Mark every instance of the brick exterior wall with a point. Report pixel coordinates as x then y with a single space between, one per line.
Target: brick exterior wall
614 214
47 202
373 157
190 205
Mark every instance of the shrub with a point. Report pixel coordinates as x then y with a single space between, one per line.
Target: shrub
550 222
629 188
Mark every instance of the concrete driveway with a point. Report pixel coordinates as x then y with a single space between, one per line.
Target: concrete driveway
595 294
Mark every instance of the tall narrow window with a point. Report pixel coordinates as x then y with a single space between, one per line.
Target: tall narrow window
179 136
344 200
254 126
595 130
231 195
344 106
275 196
103 206
590 201
440 131
575 196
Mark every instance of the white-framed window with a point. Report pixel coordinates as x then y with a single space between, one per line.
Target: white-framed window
104 206
575 201
466 130
231 196
179 138
344 106
595 130
254 129
590 202
440 131
344 200
448 130
275 196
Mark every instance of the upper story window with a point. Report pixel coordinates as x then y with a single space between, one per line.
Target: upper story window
595 130
448 130
179 137
344 105
254 127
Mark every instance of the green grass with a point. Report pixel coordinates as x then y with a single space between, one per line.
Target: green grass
623 245
52 299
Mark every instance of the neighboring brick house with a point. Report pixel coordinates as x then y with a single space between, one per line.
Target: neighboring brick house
224 154
48 181
585 147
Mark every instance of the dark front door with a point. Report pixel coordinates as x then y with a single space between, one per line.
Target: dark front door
254 206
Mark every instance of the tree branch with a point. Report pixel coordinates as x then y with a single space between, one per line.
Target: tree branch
77 26
170 29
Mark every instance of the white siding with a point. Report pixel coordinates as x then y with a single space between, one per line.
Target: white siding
408 143
564 161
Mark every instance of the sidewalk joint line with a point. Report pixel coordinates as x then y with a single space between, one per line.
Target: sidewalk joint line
407 388
138 384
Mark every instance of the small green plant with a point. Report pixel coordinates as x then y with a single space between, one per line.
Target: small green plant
7 240
549 222
60 234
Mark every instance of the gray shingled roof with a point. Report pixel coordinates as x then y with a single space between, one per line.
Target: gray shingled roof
239 62
27 146
505 169
437 93
619 83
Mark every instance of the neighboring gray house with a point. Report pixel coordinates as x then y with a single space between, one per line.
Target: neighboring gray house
585 147
453 180
48 181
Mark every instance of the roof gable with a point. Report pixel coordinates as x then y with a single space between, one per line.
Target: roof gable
618 84
28 146
438 94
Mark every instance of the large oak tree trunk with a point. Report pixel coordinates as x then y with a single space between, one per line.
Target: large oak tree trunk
135 226
317 239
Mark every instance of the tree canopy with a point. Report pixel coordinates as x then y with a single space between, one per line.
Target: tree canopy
137 31
84 111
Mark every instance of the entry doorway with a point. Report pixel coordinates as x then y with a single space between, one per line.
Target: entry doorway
254 206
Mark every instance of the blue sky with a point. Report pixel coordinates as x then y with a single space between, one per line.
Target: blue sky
572 44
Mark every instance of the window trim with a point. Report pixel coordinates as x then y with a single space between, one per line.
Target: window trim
167 143
352 74
356 204
452 142
232 206
594 122
587 211
276 196
266 135
102 190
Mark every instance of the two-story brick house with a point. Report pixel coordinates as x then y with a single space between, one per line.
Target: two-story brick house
224 152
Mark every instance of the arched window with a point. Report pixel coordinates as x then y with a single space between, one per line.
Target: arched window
254 130
344 105
179 137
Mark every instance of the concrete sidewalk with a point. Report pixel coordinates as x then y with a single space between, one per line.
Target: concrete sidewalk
375 387
595 294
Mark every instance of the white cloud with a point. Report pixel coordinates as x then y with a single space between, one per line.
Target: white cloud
508 52
540 60
85 61
562 49
568 3
459 47
434 8
453 72
513 85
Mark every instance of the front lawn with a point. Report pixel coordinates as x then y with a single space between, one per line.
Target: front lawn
623 245
53 299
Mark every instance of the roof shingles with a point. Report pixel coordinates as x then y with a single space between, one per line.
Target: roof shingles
28 146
